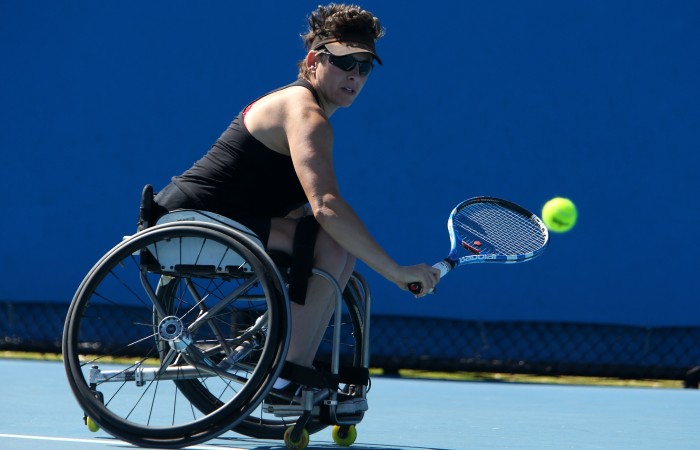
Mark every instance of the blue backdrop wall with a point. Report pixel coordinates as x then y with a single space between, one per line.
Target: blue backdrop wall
597 101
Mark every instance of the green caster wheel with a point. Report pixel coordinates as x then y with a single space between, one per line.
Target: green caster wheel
91 425
344 436
296 445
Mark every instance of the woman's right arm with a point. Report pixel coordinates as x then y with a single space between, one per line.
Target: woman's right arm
310 138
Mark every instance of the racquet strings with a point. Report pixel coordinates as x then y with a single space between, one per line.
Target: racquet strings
495 229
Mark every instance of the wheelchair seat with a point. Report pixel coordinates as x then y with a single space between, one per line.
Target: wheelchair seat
209 217
190 254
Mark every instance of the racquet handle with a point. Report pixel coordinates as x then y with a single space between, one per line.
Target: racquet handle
443 266
416 287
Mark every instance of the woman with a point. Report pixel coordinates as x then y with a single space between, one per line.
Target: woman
277 156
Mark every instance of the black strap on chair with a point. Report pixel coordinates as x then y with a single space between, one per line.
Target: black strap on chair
302 258
308 376
347 374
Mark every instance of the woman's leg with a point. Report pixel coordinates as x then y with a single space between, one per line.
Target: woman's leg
330 304
310 321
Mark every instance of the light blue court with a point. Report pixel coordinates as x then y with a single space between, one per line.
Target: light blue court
39 412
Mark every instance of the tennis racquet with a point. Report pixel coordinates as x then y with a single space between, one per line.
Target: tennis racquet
490 230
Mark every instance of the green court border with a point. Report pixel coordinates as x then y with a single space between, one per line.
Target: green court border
449 376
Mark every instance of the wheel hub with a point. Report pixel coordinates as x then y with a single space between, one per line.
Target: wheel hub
170 328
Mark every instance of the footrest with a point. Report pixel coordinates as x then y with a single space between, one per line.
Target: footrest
346 408
352 407
320 403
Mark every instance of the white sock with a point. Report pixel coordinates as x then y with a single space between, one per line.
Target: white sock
281 383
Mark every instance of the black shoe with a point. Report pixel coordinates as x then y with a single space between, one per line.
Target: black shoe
350 404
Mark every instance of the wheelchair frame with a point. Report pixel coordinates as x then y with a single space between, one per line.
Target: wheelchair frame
211 315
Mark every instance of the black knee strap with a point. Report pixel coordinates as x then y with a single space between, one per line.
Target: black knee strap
308 376
347 374
302 258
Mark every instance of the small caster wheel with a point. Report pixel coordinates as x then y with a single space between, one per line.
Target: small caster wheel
344 436
92 425
298 445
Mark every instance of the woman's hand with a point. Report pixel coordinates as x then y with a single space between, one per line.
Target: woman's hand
426 275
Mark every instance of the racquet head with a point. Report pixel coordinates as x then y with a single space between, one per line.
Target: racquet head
489 229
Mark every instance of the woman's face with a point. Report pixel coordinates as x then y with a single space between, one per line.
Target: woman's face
340 87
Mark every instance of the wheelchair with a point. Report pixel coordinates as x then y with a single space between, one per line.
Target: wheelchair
178 333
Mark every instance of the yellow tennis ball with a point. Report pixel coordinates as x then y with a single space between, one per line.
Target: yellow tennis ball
559 214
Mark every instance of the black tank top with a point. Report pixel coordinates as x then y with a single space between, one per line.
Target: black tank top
241 177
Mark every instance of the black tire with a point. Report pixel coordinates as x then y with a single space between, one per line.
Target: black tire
110 323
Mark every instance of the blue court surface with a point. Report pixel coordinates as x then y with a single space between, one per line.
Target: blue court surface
39 412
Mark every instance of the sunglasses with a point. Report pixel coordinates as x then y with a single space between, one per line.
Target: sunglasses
348 63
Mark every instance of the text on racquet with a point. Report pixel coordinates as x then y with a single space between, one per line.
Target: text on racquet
490 230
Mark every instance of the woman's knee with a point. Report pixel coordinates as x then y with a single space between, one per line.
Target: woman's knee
282 235
330 254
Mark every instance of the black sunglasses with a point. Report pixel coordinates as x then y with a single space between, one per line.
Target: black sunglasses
348 62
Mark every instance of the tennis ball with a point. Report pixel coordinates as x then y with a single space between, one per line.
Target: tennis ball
559 214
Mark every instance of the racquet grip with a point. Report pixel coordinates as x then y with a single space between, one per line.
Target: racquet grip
416 287
443 266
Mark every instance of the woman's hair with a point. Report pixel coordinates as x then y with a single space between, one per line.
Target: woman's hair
338 20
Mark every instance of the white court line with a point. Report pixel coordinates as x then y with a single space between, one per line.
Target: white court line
101 441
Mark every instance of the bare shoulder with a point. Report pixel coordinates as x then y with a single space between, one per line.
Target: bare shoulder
304 121
293 99
283 115
299 103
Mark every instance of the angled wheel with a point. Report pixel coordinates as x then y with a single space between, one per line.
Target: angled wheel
166 321
263 425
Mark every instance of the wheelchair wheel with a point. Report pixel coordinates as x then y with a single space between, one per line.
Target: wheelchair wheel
175 309
262 425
